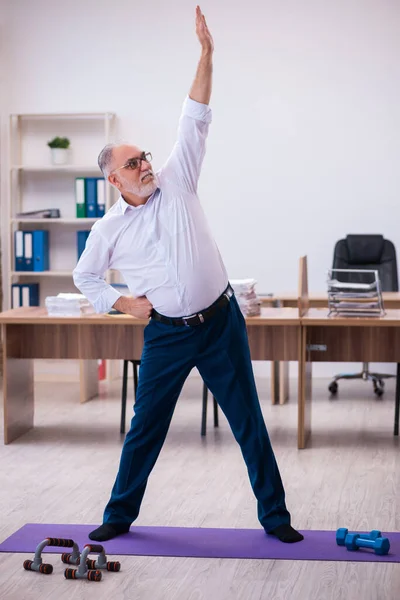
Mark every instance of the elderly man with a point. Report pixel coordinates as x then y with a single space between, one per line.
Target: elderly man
157 236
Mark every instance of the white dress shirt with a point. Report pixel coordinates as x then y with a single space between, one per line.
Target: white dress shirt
164 249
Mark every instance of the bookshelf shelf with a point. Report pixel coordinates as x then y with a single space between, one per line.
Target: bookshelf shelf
56 168
69 116
44 221
41 273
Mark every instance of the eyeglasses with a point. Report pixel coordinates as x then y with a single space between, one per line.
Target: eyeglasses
134 163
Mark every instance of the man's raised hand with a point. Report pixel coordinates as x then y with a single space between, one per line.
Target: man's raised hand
203 32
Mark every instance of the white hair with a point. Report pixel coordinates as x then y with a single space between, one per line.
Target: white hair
105 159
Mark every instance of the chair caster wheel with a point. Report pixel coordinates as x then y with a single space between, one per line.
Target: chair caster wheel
333 387
378 391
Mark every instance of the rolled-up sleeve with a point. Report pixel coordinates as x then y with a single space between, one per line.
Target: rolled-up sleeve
184 163
89 273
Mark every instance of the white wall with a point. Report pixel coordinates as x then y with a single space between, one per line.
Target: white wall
305 143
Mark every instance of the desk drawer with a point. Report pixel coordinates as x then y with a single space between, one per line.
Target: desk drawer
42 341
353 344
274 342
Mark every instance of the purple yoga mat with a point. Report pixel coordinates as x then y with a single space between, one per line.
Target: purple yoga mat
201 543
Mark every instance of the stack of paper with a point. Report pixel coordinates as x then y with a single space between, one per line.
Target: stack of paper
68 305
355 299
249 302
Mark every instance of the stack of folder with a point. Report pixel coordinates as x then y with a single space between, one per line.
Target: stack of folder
31 250
24 294
90 195
354 299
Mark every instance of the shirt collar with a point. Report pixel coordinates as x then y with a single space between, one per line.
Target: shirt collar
124 205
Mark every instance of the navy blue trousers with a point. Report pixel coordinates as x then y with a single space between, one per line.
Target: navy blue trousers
219 349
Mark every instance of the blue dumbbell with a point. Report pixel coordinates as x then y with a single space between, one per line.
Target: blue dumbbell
342 532
354 542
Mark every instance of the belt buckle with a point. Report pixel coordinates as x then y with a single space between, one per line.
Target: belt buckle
186 319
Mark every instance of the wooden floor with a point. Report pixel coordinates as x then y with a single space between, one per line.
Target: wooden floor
63 470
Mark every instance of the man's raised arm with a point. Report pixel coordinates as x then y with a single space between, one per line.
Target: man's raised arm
184 163
202 84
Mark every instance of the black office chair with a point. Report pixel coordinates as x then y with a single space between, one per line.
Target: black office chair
366 252
136 364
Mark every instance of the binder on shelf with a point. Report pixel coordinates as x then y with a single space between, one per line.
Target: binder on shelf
100 197
81 237
40 250
91 197
19 250
80 197
15 295
28 251
30 294
24 294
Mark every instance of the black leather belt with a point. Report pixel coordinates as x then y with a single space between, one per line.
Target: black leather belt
197 318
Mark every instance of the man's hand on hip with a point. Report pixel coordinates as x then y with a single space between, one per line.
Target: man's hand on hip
137 307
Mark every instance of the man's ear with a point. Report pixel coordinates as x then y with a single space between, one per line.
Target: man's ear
114 181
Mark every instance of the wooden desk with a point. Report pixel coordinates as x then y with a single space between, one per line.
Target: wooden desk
279 370
320 300
341 339
29 333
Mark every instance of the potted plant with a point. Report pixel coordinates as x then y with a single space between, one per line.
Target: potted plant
59 150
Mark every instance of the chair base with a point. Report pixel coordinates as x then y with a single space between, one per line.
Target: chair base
376 378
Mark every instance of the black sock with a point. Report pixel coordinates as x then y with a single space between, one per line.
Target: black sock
286 533
107 531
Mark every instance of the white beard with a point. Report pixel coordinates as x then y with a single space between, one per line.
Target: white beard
142 190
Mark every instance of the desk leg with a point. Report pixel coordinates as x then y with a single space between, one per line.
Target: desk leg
18 397
305 393
397 402
279 382
89 380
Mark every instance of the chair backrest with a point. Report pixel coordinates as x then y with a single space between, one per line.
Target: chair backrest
368 252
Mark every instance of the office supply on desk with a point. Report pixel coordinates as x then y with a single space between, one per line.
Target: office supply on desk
248 301
68 305
351 299
364 253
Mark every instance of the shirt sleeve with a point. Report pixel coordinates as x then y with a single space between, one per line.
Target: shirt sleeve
184 163
88 274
